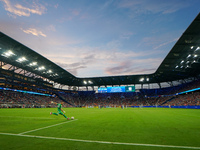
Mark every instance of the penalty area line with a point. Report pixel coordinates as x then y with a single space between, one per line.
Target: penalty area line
101 142
47 126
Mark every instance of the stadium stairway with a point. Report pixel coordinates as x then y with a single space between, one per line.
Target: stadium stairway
167 101
63 99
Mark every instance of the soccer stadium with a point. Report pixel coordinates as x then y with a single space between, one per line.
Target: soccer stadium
144 111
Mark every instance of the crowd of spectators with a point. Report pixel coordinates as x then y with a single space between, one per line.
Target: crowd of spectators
10 99
190 99
130 99
91 99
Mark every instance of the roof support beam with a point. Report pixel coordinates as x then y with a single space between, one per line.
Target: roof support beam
159 85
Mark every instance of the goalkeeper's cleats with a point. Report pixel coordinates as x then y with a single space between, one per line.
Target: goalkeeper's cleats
67 118
50 113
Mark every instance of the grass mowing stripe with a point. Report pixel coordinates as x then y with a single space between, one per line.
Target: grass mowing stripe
102 142
47 127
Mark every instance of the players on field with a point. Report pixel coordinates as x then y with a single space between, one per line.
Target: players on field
59 111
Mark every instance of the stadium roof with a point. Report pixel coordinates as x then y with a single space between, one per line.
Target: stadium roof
182 62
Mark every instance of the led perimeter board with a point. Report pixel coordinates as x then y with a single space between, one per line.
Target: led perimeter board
116 89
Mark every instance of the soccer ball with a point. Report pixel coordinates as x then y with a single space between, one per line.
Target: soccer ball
72 118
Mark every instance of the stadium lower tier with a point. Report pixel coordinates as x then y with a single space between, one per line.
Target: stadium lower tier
12 99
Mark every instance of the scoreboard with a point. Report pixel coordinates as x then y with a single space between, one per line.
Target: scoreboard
116 89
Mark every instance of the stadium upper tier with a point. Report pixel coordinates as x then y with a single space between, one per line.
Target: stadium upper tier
182 62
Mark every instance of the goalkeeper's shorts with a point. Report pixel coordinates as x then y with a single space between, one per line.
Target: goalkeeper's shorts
60 112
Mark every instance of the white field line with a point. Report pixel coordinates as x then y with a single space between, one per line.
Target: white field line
26 117
47 127
102 142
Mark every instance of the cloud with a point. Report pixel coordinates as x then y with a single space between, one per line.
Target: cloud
157 42
19 10
56 6
72 68
166 43
126 35
81 62
75 12
34 32
107 4
73 63
51 28
108 59
149 41
146 6
123 67
136 66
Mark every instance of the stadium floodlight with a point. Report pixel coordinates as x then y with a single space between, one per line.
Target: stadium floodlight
21 59
85 82
176 66
188 62
192 47
197 48
182 61
147 79
55 74
181 66
41 68
188 56
90 82
33 64
49 71
141 79
195 56
194 61
8 54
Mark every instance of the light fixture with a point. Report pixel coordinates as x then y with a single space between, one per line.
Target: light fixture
141 79
33 64
197 48
41 68
182 61
49 71
195 56
90 82
8 54
188 56
21 59
192 47
85 82
147 79
176 66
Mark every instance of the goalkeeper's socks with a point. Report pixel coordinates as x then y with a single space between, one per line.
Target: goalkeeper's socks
65 116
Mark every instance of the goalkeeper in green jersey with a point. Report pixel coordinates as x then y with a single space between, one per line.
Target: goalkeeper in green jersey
59 111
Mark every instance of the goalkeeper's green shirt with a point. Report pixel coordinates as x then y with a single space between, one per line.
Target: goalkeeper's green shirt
59 107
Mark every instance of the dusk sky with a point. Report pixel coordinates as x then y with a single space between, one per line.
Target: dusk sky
92 38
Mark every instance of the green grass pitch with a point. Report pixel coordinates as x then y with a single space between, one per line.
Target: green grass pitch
100 129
